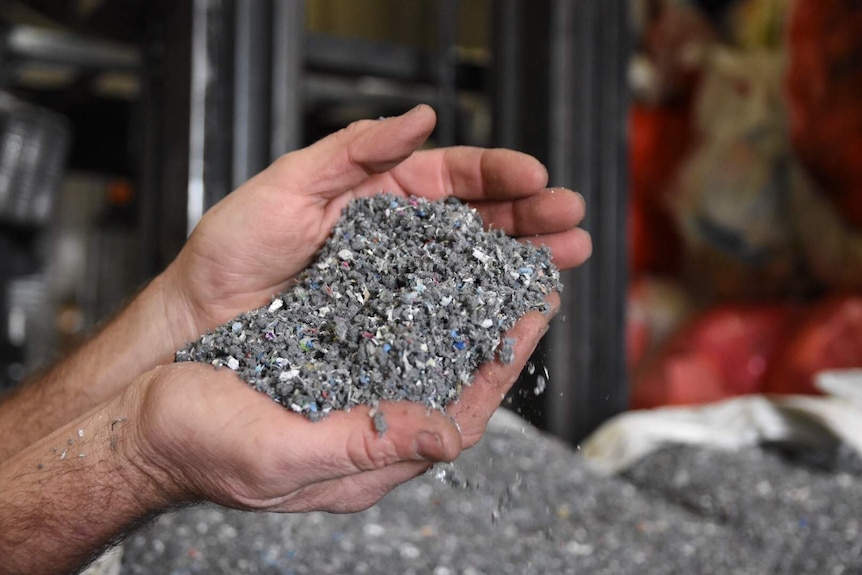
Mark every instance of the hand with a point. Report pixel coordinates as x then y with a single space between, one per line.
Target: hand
248 247
216 438
220 440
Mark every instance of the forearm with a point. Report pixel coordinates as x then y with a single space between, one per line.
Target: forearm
69 495
143 335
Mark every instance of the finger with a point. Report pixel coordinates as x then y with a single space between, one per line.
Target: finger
482 397
274 451
349 442
554 210
346 158
353 493
569 249
464 172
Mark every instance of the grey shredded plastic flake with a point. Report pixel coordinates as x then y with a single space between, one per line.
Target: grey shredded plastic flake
405 301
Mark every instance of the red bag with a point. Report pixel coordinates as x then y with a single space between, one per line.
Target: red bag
660 137
828 337
824 90
723 353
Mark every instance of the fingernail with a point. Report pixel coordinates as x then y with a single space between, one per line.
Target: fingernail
429 446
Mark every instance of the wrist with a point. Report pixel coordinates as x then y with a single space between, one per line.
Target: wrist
182 321
148 460
147 333
77 489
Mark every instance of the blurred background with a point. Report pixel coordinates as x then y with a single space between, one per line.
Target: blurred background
717 143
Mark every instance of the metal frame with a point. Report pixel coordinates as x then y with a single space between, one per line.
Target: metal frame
251 88
561 95
223 93
289 39
248 66
53 47
211 154
247 73
447 90
166 104
365 58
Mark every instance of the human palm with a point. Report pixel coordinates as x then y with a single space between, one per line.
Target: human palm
250 245
220 440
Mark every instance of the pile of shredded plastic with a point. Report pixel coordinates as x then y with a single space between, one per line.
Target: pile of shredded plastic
404 302
682 509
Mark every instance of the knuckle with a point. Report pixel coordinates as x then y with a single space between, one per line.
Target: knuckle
472 423
357 127
369 450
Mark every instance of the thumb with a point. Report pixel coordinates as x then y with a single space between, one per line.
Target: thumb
346 158
481 399
347 443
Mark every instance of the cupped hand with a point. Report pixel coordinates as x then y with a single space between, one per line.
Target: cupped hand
218 439
250 245
215 438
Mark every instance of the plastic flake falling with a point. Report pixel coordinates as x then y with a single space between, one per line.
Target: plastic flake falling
405 301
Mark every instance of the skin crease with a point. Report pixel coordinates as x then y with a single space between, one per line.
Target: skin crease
116 433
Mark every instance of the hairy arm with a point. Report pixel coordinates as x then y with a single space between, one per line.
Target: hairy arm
143 335
189 432
72 493
185 433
